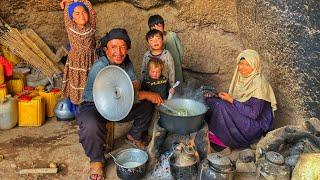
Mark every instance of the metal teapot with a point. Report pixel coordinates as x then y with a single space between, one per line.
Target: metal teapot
184 162
218 167
63 111
272 166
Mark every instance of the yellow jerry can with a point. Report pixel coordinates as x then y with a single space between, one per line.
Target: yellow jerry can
10 56
31 111
31 91
20 76
15 86
3 91
1 74
51 98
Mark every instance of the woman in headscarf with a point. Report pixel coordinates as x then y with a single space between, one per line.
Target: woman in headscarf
238 118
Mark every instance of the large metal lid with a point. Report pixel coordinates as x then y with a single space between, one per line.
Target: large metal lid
113 93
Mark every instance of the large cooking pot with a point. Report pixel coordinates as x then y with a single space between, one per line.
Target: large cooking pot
184 123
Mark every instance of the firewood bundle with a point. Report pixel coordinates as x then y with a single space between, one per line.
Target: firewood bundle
29 46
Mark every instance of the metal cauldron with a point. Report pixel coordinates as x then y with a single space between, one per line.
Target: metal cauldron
185 124
131 164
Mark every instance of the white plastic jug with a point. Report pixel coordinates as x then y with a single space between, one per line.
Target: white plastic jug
8 112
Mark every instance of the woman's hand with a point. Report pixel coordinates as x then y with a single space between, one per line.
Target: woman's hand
226 97
64 2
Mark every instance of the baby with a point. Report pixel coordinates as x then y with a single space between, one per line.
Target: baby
155 81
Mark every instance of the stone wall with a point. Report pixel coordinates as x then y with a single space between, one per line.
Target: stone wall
286 34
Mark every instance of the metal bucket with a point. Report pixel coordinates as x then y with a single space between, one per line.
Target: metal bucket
185 124
131 164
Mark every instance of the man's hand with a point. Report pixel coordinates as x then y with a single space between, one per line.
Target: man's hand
155 98
136 85
226 97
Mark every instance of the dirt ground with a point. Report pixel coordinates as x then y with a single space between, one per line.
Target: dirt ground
36 147
55 141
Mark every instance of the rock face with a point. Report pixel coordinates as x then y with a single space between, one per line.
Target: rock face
213 32
287 35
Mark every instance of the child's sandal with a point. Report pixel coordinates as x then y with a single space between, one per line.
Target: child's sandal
96 171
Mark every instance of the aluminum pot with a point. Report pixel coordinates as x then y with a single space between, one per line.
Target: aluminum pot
131 164
182 124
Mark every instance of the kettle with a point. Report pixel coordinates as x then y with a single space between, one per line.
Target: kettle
184 162
217 166
63 110
271 165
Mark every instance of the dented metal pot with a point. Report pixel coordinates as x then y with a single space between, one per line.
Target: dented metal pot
131 164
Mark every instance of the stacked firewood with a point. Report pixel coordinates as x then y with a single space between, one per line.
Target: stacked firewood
30 47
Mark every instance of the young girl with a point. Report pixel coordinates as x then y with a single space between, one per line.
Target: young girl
80 23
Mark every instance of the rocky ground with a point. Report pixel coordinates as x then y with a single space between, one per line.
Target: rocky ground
55 141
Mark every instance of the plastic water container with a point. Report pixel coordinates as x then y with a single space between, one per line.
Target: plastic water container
15 86
10 56
20 76
3 91
1 74
51 98
31 111
8 112
31 91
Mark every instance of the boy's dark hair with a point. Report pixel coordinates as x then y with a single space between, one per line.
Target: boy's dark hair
154 20
152 33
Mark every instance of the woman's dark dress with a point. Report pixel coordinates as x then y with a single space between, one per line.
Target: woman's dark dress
241 123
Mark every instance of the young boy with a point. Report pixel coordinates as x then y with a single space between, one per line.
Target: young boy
155 81
155 40
171 43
